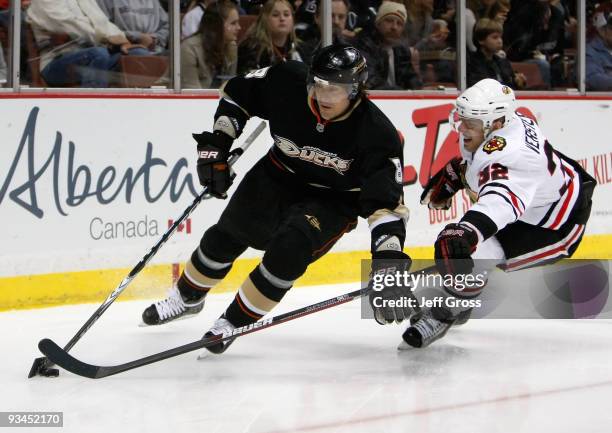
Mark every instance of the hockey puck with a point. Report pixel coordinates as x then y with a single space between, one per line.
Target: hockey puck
40 369
49 372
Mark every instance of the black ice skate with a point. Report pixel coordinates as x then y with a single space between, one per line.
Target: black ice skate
175 306
222 327
424 330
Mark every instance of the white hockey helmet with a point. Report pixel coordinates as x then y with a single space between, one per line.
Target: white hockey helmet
487 100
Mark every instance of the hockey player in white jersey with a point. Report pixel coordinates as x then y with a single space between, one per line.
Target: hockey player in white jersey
530 202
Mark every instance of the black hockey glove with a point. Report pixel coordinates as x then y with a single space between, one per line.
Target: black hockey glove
453 249
213 170
389 298
439 191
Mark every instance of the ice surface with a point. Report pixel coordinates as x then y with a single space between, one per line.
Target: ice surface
328 372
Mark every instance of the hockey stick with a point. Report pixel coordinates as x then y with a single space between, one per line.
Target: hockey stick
41 366
68 362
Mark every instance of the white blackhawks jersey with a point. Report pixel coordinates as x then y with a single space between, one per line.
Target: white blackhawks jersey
516 176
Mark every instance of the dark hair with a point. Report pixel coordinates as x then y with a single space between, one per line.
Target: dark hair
212 30
483 28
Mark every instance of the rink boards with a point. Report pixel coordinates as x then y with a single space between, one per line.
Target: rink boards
89 184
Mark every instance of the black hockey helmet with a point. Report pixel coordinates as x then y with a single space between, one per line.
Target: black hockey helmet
339 64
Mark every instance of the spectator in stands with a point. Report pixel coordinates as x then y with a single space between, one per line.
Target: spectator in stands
191 21
419 21
77 42
487 62
437 39
534 33
569 19
599 51
499 12
305 14
446 10
271 40
439 59
362 14
388 58
144 22
311 38
475 10
210 56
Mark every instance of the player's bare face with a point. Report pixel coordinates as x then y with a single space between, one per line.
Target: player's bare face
472 132
332 99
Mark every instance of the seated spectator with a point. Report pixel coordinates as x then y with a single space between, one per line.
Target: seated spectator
446 10
271 40
305 13
87 53
210 56
569 20
475 10
438 56
191 21
419 21
311 38
534 33
599 51
437 39
388 59
499 12
487 62
144 22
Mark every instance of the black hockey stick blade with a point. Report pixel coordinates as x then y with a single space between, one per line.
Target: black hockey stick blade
63 359
60 357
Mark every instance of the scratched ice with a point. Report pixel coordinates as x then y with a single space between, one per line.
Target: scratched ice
328 372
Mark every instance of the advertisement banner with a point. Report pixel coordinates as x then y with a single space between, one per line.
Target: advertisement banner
91 183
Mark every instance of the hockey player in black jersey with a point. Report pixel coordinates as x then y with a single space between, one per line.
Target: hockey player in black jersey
335 157
531 202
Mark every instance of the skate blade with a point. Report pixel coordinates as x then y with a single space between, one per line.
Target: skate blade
187 316
405 346
204 355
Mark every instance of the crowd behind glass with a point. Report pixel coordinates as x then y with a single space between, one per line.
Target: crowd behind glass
410 44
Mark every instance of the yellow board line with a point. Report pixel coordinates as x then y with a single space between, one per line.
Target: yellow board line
38 291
